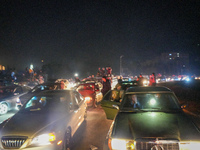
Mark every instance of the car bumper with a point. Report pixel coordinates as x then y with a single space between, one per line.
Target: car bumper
43 147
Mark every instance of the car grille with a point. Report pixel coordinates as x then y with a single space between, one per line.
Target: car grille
157 145
13 142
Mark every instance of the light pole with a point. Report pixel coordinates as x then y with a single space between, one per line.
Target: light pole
121 71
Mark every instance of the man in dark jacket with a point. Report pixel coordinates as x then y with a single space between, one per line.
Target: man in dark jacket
106 85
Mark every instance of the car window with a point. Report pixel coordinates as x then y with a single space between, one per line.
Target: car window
159 101
47 103
78 98
116 95
18 90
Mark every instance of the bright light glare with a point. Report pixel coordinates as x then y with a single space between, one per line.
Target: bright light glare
31 66
118 144
187 79
76 74
88 99
18 100
189 145
152 102
43 139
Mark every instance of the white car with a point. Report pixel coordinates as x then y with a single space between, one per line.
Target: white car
47 121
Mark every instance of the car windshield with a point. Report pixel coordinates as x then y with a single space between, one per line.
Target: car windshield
46 104
150 102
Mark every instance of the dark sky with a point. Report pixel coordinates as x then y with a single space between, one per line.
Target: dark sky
89 34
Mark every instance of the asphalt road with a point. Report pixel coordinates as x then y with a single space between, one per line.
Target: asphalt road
92 134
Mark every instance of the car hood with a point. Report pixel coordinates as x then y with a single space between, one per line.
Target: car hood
29 124
135 125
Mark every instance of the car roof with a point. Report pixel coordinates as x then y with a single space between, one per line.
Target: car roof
148 89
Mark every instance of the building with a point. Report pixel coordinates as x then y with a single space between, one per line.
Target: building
176 63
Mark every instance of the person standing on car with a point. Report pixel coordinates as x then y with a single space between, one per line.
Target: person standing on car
152 80
62 85
106 85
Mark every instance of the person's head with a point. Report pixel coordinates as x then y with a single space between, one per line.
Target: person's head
134 99
104 78
118 86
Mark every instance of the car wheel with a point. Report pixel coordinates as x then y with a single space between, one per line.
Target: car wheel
3 108
67 144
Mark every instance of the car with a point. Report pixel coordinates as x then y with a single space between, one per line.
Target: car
47 121
9 96
91 91
38 88
149 118
126 84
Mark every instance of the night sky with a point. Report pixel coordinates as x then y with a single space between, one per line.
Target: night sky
85 35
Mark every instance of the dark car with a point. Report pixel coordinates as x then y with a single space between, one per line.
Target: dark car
150 118
47 121
38 88
9 96
91 92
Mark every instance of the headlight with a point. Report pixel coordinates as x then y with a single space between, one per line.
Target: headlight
145 83
189 145
44 139
120 144
88 99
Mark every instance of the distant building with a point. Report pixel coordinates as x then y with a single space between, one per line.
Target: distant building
176 63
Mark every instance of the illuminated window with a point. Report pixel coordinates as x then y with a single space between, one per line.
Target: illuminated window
177 54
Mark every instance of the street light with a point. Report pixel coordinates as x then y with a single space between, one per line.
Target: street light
121 71
76 74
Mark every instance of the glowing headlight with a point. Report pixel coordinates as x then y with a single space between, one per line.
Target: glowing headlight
119 144
88 99
145 82
189 145
44 139
152 102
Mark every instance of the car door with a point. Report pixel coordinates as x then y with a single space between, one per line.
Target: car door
16 93
108 102
77 111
